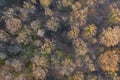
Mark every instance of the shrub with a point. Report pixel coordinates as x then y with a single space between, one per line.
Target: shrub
110 36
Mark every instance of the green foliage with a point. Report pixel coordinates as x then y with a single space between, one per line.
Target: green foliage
69 56
16 74
29 50
64 39
65 9
88 29
34 36
59 53
2 62
30 66
111 19
28 5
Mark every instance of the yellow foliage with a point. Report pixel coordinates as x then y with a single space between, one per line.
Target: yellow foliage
76 6
45 3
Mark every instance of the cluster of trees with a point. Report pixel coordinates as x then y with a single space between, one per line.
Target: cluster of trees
60 40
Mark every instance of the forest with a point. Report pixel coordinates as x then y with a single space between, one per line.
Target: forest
59 39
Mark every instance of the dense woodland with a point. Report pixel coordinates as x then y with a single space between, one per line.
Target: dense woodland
59 39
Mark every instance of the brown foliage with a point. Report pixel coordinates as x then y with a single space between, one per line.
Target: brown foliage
110 36
109 60
13 25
